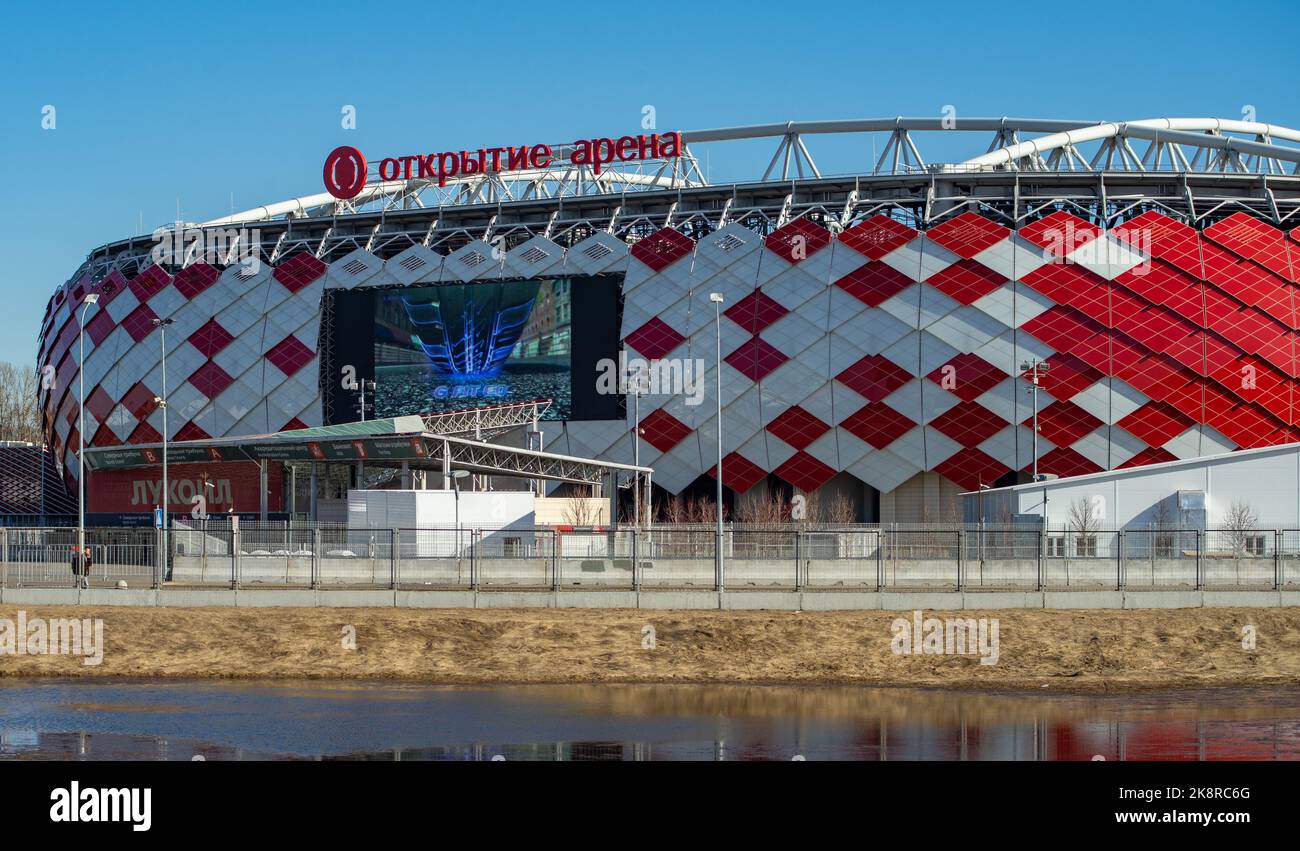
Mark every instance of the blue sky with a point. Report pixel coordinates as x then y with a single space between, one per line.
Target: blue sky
191 103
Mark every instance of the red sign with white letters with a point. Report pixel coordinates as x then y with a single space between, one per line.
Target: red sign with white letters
345 167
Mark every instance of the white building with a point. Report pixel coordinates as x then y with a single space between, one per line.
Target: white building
1190 493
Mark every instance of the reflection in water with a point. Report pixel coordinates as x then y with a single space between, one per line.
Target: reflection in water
76 719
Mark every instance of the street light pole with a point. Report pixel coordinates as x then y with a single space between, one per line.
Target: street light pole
636 454
91 298
161 325
1035 368
716 298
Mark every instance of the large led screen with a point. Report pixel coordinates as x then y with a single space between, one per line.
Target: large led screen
457 346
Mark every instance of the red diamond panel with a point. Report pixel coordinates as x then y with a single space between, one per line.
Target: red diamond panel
969 423
879 425
298 271
290 355
100 326
967 376
1060 233
105 436
1253 380
663 248
967 234
755 358
970 468
1064 422
193 280
1156 423
1161 236
1068 330
755 312
966 281
798 240
1064 461
293 425
139 400
662 430
1254 240
144 433
100 403
797 427
110 288
1160 330
877 236
654 339
210 379
1066 375
139 322
1150 455
190 431
1246 282
1073 285
149 283
1160 283
211 338
738 472
874 283
874 377
804 472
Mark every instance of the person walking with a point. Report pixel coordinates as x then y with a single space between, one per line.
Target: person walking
85 568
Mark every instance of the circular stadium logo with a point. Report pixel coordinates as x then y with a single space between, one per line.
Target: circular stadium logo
345 172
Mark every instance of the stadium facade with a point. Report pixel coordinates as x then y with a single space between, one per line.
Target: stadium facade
874 327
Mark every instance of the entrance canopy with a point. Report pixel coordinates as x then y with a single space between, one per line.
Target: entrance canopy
439 442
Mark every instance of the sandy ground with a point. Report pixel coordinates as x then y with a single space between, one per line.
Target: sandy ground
1067 650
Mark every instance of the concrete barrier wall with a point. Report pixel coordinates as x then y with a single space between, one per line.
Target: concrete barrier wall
595 598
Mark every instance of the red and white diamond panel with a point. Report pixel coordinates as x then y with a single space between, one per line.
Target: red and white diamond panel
880 351
241 355
883 351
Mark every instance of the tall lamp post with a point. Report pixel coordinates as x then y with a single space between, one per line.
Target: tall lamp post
637 388
716 298
1034 368
91 298
161 325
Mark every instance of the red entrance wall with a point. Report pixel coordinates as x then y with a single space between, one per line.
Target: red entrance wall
136 491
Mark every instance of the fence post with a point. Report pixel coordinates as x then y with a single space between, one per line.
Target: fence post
393 539
636 579
1197 534
474 566
1277 559
157 556
315 557
234 557
880 559
555 560
961 545
1042 539
1119 560
798 560
4 557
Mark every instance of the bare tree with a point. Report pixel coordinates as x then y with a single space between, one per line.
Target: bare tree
19 416
1163 521
579 511
1240 522
1085 523
840 510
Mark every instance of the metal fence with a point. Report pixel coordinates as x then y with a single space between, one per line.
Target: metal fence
854 558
